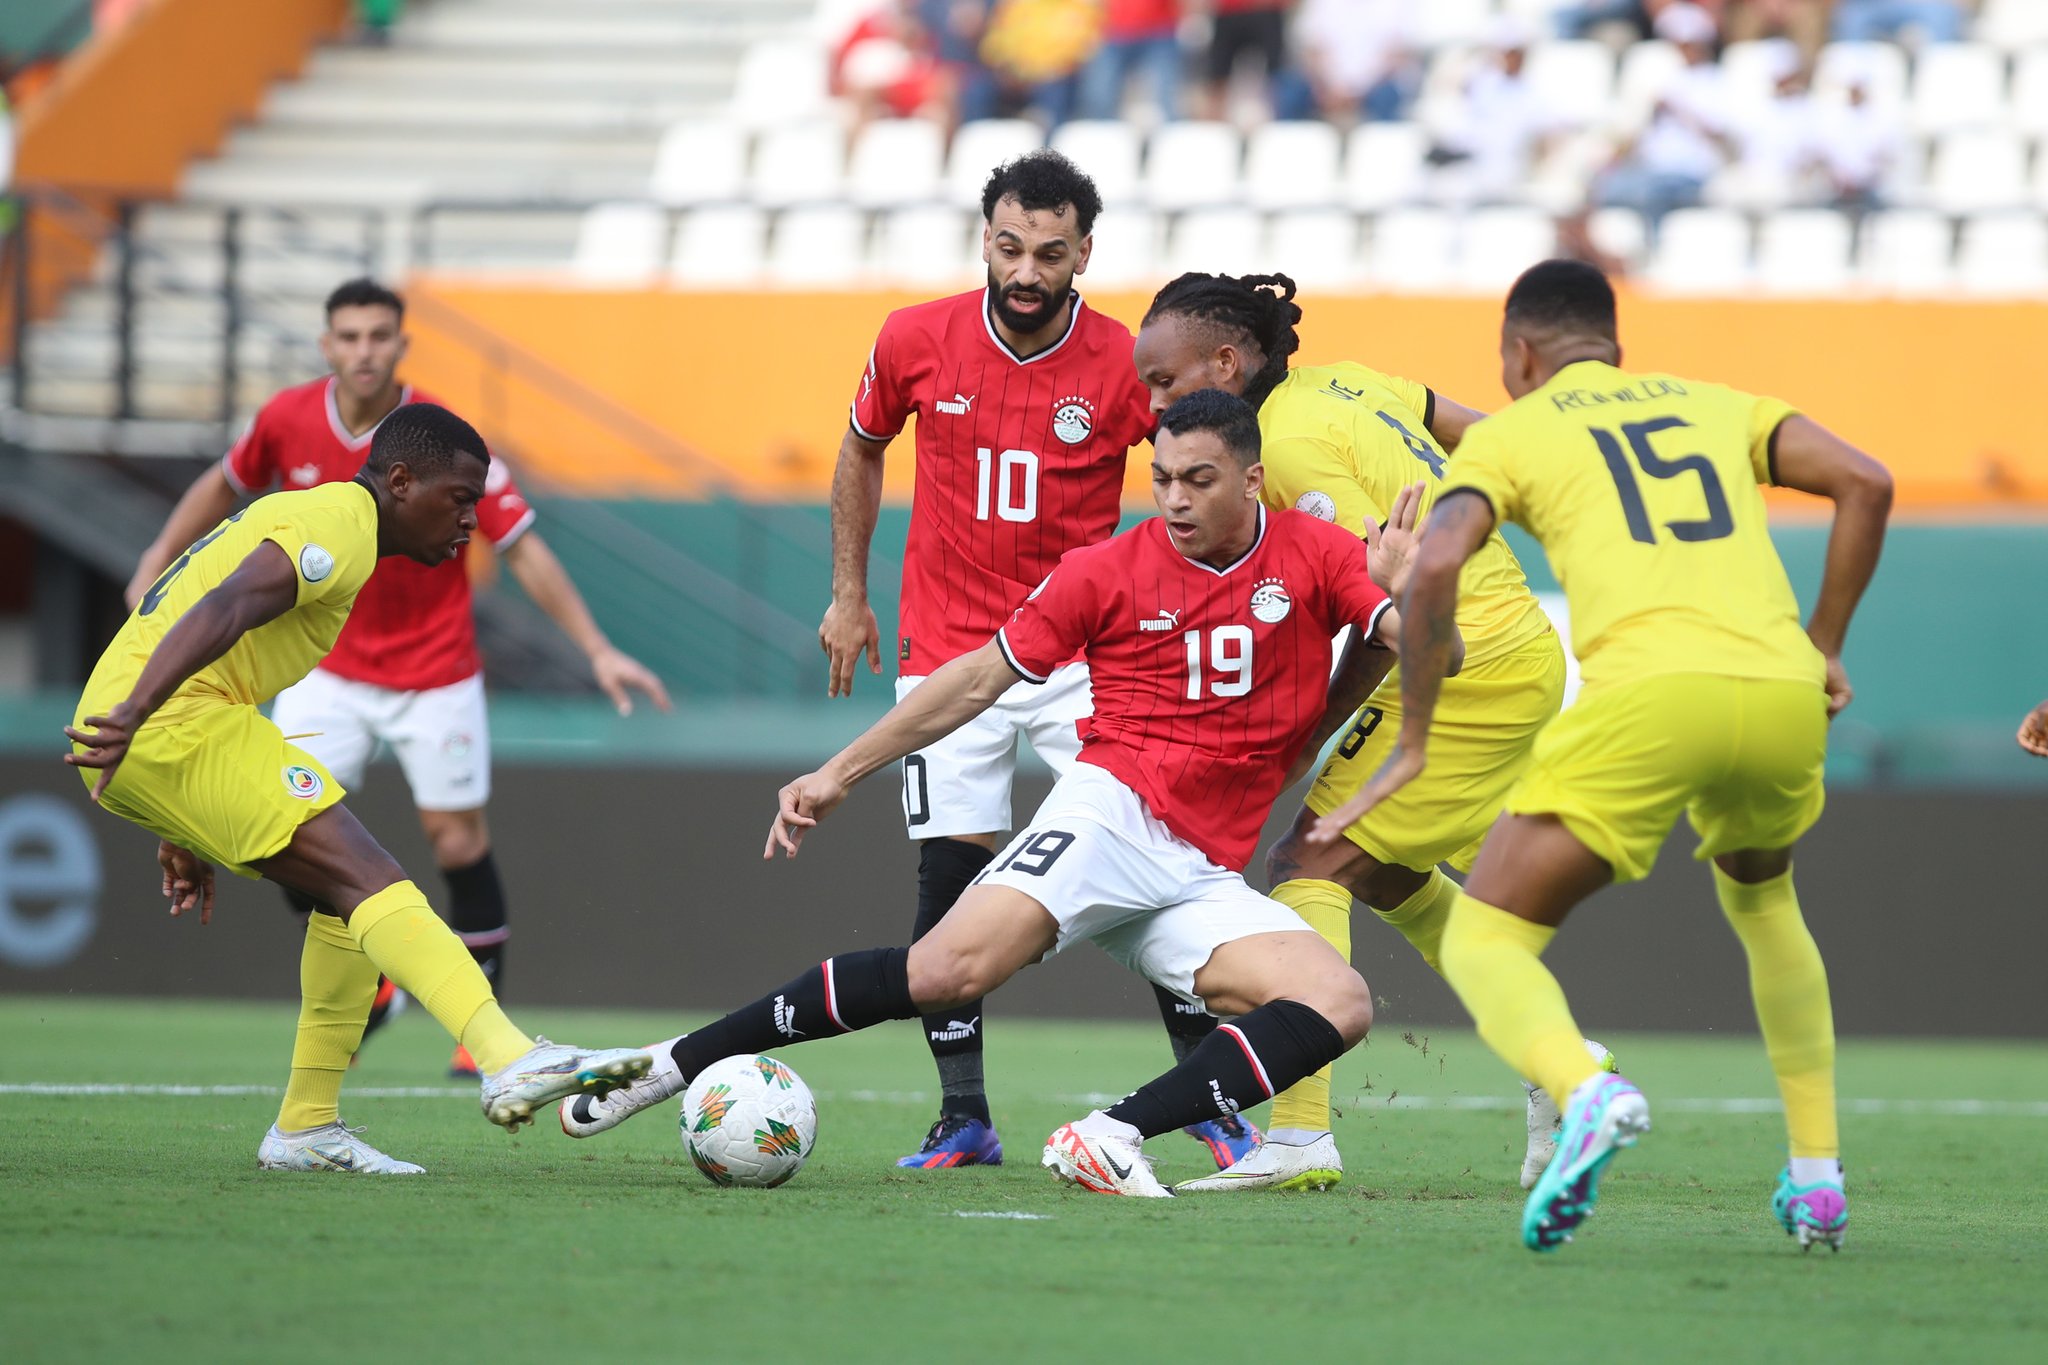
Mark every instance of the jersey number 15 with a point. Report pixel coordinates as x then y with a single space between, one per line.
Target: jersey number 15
1713 526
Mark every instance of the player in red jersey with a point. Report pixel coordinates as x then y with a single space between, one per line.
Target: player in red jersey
405 670
1208 629
1027 405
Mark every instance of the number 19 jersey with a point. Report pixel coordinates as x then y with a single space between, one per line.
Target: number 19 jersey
1019 459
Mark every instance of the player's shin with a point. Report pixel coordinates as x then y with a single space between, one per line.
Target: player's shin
1493 960
1790 985
945 867
1421 918
476 911
408 942
1240 1064
337 982
840 995
1304 1107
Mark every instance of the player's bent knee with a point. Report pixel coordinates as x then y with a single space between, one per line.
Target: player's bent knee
1346 1001
941 977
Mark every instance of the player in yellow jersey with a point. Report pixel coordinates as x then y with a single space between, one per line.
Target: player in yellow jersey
1702 694
1343 442
169 722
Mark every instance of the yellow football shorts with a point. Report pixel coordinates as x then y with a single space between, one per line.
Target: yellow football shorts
1486 725
1742 757
220 780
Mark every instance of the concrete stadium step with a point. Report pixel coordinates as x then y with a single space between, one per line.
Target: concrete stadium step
703 70
383 110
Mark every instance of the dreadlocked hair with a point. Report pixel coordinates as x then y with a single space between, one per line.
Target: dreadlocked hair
1259 309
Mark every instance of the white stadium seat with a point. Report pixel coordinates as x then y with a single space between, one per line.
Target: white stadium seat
896 161
620 244
1879 66
1646 69
818 245
1572 81
979 148
2003 253
725 245
1414 251
1126 251
800 165
2030 91
1701 251
780 83
1619 232
1751 69
2013 24
1383 165
928 245
1220 241
1978 171
1318 248
1906 251
1957 85
1292 164
1107 150
1500 243
1443 22
1803 251
699 162
1192 165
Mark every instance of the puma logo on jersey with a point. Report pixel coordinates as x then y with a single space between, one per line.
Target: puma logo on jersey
1166 620
303 476
958 407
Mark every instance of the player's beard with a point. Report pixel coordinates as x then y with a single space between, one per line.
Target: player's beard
1050 305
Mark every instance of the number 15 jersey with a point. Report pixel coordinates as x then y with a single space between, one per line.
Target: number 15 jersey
1019 459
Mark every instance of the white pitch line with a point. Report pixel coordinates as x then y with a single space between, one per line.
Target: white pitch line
2032 1109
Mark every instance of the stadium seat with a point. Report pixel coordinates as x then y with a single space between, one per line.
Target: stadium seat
1500 243
1701 251
1646 68
1192 165
927 245
1317 247
723 245
1978 171
800 165
2029 108
781 82
1223 241
2003 253
1108 151
1906 251
979 148
2013 24
896 161
1803 251
700 162
1126 250
1443 23
1957 86
620 244
1572 81
821 244
1383 165
1292 164
1619 232
1880 66
1751 69
1414 251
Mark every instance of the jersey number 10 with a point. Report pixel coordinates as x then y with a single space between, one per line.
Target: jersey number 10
1015 485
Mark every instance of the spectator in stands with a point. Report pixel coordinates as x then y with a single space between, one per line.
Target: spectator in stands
1801 22
1634 19
887 66
1667 165
1036 48
1139 37
1353 59
1240 29
1860 142
1487 137
954 28
1869 21
1779 141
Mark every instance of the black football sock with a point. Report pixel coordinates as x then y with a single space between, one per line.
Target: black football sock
1240 1064
1186 1025
476 912
944 868
839 995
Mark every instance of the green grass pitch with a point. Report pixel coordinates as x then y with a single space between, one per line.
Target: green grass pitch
135 1225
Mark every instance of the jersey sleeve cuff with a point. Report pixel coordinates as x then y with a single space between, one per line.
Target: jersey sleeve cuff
1771 450
1477 492
227 467
1372 622
864 433
518 529
1003 643
1429 411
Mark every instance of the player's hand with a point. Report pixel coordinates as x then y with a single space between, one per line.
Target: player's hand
188 880
1390 550
801 804
848 629
616 671
1840 694
106 739
2034 731
1403 765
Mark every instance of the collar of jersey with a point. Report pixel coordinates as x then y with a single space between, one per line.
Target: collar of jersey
1257 541
988 324
341 432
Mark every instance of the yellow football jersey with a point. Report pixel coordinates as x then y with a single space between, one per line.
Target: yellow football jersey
1644 491
1340 441
330 532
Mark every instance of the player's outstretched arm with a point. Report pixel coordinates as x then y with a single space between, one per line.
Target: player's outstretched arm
953 695
2034 731
210 498
1448 420
1812 459
263 588
544 579
849 628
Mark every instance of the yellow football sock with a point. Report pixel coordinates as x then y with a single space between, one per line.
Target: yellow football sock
1494 962
337 986
409 943
1327 908
1790 985
1421 918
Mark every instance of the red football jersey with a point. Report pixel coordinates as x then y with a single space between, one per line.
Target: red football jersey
1018 460
411 628
1207 681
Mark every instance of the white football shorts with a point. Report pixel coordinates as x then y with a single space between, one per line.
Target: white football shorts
441 737
1108 871
961 784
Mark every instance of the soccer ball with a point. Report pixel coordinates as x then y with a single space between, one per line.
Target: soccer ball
749 1121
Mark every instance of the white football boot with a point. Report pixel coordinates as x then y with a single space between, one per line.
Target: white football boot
335 1147
1286 1160
588 1115
549 1071
1546 1122
1103 1156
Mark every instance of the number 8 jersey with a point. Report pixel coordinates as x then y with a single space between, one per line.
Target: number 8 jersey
1019 459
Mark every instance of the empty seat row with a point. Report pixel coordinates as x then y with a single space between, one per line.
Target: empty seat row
1813 251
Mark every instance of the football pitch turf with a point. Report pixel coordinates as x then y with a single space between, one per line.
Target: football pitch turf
136 1224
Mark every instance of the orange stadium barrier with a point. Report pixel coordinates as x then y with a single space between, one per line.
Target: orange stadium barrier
749 392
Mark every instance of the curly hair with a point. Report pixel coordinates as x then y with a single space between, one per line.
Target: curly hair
1255 309
427 439
1043 179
